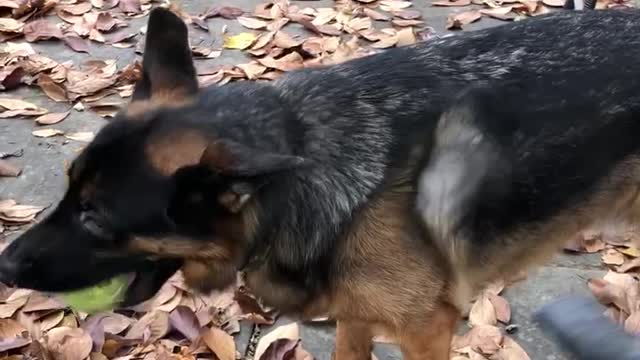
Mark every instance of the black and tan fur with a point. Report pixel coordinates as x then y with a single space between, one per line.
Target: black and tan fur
309 183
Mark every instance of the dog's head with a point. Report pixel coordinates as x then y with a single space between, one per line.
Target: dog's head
152 193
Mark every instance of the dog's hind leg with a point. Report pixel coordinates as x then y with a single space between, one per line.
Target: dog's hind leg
353 341
431 340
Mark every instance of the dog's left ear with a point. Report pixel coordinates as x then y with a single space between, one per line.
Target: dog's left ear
229 173
245 169
167 64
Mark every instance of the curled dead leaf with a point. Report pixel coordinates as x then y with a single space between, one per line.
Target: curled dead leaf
501 306
45 133
456 21
7 169
220 343
51 118
51 88
451 3
289 331
252 23
67 343
41 30
12 335
12 212
151 327
612 257
482 312
241 41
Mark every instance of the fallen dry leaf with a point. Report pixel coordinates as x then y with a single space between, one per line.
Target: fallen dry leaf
11 77
632 264
394 5
482 312
289 331
280 349
452 3
10 107
51 118
511 351
11 25
45 133
456 21
252 23
12 212
8 169
241 41
52 89
184 320
41 30
151 327
76 43
612 257
501 306
220 343
67 343
630 251
632 323
12 335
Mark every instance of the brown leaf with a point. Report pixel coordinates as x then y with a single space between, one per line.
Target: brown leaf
408 14
280 349
451 3
97 75
405 37
283 40
39 302
511 351
51 320
67 343
184 320
51 89
501 305
12 335
76 43
252 70
252 23
151 327
288 62
105 22
130 7
289 331
482 312
7 169
554 3
45 133
505 13
394 5
15 302
629 265
456 21
104 4
12 212
9 25
375 15
485 339
77 9
403 23
230 12
11 77
220 343
41 30
632 324
612 257
607 293
84 136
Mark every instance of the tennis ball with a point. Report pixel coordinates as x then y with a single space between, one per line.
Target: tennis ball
101 297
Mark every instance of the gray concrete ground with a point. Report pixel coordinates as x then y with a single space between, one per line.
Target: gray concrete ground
42 181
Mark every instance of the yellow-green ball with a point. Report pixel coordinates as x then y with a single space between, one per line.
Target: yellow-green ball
101 297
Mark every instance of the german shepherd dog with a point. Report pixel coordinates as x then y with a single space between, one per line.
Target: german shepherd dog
383 191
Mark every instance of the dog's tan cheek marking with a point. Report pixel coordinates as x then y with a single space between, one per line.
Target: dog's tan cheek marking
172 151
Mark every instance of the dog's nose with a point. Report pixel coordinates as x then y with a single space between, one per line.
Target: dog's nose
8 271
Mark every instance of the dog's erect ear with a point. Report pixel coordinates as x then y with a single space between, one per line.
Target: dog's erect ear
248 168
167 64
230 173
234 159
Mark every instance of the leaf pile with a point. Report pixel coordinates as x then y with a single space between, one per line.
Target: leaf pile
509 10
619 289
176 324
485 340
